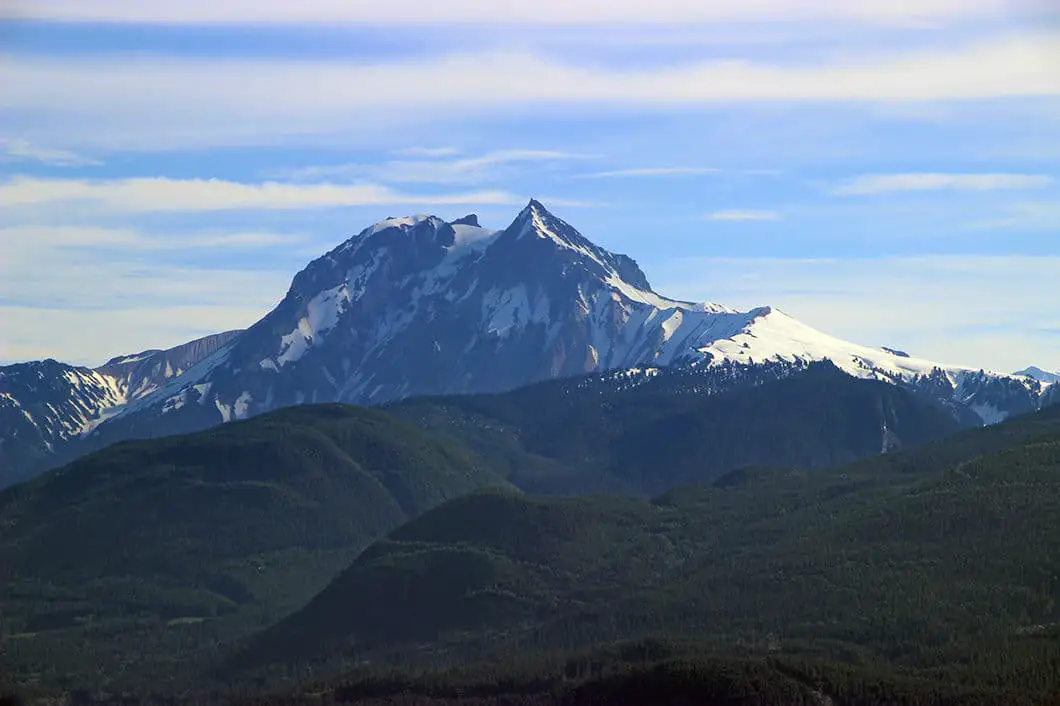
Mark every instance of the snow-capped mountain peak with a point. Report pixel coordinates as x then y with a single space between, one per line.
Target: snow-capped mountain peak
771 334
400 224
620 272
417 305
1040 375
536 221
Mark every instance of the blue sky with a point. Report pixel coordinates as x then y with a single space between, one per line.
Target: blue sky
887 175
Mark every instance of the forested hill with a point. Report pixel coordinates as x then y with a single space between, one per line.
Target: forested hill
641 432
159 560
151 556
940 564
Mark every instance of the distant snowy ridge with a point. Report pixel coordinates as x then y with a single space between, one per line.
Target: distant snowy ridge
1040 375
47 405
773 335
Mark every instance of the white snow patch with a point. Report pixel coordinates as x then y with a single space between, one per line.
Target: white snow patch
322 313
72 377
125 360
501 309
180 399
402 222
176 402
104 415
471 237
671 324
989 413
242 405
512 309
770 334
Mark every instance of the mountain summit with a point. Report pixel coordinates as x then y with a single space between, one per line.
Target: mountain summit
415 306
419 306
1041 375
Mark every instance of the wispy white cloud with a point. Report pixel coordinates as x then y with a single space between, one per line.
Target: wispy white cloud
144 195
159 103
428 152
15 150
515 11
85 294
517 155
925 181
651 172
26 243
743 215
1024 216
466 170
73 335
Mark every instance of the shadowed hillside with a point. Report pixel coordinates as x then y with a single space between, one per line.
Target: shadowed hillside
941 562
643 432
170 547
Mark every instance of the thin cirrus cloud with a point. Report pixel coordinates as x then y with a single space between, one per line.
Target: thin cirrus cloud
145 195
428 152
21 150
870 184
431 171
514 11
19 242
61 286
107 277
162 102
71 334
651 172
1027 216
739 215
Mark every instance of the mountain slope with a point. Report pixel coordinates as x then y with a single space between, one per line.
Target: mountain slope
1040 375
417 306
47 407
146 372
221 531
643 431
948 571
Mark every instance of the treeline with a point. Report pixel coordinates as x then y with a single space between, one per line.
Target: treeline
705 681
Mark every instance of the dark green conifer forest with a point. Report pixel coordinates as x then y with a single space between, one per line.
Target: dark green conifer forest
331 554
